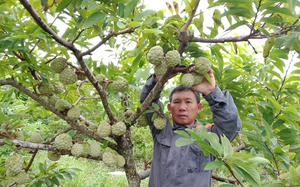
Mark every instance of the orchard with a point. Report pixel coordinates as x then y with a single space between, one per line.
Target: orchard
77 67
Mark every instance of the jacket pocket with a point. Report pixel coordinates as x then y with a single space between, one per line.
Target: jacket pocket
196 159
163 148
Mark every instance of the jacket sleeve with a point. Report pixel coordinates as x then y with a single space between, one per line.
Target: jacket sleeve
225 113
149 85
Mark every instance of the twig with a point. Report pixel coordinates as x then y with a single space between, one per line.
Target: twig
253 24
31 160
78 35
232 173
189 21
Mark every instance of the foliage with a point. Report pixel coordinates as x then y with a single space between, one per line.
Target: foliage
262 78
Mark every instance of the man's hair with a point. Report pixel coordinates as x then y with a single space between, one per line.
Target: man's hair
182 88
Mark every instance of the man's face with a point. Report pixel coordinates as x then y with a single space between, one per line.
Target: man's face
184 107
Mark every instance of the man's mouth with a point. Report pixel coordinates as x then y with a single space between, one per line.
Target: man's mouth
182 116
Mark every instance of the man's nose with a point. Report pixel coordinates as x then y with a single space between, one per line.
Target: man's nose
182 107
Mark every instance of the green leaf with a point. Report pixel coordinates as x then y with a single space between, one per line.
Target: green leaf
227 148
290 39
42 168
7 141
259 160
93 19
54 180
183 142
236 25
213 165
294 174
155 106
282 10
207 77
250 173
62 5
129 8
267 128
182 133
227 185
274 185
152 31
145 13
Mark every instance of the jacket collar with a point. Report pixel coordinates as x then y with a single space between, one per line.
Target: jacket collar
181 127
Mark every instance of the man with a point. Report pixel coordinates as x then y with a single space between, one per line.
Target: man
183 166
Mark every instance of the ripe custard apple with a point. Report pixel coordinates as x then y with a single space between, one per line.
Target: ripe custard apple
93 127
53 156
197 79
120 84
187 80
59 64
160 122
101 79
19 135
67 76
62 105
94 150
172 58
52 100
155 55
120 161
58 88
46 88
142 120
35 138
63 141
118 128
77 149
160 69
202 65
74 112
21 178
104 129
14 163
109 159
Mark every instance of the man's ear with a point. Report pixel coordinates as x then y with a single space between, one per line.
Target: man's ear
199 108
169 108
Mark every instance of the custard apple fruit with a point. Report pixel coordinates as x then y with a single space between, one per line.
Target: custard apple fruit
118 128
78 137
14 163
142 120
74 112
62 105
80 76
160 69
77 149
63 141
93 127
120 84
94 150
104 129
120 161
67 76
52 100
35 138
109 159
128 113
155 55
187 80
58 87
197 79
202 65
21 178
172 58
46 88
101 79
160 122
53 156
59 64
19 135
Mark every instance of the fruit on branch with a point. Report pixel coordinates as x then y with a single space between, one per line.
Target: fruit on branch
202 65
128 113
268 46
155 55
63 141
78 137
58 87
104 129
80 76
118 128
46 88
67 76
14 163
101 79
120 161
59 64
9 183
142 120
77 149
52 100
109 159
94 150
187 80
93 127
35 138
53 156
62 105
160 69
120 84
160 122
172 58
21 178
197 78
74 112
9 173
18 135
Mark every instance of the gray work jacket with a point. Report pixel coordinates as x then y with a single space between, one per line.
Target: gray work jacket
183 166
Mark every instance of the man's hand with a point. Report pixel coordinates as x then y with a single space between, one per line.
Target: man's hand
205 87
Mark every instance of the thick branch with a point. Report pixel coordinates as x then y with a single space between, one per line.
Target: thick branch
72 122
45 27
228 39
144 174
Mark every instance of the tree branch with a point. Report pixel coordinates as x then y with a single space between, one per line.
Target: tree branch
227 39
189 21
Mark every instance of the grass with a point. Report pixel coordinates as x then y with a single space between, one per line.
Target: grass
93 173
